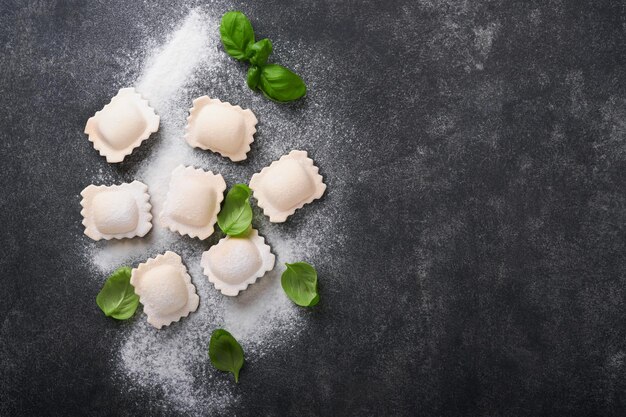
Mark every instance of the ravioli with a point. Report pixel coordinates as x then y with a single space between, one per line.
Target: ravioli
116 211
164 288
236 262
193 201
287 185
122 125
220 127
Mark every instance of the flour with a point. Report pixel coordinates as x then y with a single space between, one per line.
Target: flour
174 361
167 72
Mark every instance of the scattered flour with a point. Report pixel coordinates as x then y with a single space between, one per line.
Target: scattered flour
174 361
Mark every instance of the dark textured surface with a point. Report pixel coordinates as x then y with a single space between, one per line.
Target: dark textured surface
483 273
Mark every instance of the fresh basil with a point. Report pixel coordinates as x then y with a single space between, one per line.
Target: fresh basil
236 215
277 82
226 353
237 34
254 76
117 297
281 84
260 51
300 284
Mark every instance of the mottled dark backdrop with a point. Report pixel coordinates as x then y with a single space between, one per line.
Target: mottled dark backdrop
485 266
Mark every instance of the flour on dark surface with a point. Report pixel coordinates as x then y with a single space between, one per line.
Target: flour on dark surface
175 361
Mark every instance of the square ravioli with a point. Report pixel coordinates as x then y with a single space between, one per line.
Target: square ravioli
287 185
122 125
193 201
220 127
164 288
116 211
236 262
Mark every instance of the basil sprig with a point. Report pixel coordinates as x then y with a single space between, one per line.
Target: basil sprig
226 353
235 216
300 284
276 82
117 297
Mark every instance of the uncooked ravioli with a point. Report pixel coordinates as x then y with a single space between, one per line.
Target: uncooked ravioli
220 127
164 288
122 125
116 211
287 185
193 201
236 262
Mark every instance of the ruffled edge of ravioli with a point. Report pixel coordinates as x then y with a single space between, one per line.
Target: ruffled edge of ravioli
219 185
279 216
142 198
267 264
154 318
117 155
248 115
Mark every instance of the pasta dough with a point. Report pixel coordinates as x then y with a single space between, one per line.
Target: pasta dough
220 127
122 125
164 288
287 185
116 211
193 202
236 262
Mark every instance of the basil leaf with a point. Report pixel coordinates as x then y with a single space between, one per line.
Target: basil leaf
260 51
300 284
117 297
236 214
254 75
225 352
280 84
237 34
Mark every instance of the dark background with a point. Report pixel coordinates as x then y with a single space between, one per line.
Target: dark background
483 272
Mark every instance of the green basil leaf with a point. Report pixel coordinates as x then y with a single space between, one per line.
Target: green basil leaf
236 214
254 75
280 84
300 284
117 297
260 51
237 34
226 353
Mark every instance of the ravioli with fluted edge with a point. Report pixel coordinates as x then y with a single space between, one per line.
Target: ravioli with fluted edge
220 127
287 185
122 125
193 201
164 288
116 211
237 261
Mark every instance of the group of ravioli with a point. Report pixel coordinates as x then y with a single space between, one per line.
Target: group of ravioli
193 200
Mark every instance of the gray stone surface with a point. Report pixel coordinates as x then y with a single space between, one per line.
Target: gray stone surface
482 269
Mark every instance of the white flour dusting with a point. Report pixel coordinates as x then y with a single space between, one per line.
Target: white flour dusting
165 75
174 361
